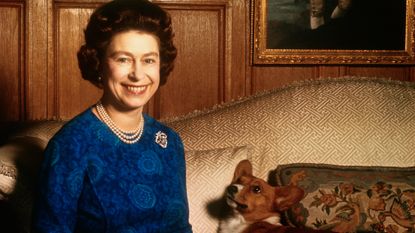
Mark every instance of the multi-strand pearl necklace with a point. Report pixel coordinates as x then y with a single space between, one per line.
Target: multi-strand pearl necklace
128 137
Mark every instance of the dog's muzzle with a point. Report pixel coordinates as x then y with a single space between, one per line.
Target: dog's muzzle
231 192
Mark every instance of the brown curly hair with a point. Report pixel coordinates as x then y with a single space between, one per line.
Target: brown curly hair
120 16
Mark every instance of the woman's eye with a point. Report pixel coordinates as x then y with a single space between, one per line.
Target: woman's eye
123 60
149 61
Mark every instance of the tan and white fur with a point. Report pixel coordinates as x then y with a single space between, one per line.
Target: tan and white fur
254 201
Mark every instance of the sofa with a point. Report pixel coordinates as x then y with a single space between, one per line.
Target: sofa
349 142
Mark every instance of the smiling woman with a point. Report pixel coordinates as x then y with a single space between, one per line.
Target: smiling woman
112 168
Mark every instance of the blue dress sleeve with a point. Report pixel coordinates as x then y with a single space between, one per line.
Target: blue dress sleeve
60 182
180 152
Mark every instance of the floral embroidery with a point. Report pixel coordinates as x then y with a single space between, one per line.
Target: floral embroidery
368 203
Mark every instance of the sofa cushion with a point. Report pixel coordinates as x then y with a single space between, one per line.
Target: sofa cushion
350 199
209 172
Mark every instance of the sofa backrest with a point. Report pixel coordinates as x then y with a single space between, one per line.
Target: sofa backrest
343 121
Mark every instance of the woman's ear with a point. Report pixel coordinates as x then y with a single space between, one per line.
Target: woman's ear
287 196
244 168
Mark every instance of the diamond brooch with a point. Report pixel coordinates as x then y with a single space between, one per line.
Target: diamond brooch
161 139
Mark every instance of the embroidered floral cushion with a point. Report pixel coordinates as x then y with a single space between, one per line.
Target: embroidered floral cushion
351 199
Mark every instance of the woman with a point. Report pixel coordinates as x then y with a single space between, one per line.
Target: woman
111 168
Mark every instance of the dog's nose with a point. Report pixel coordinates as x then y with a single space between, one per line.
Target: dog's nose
232 189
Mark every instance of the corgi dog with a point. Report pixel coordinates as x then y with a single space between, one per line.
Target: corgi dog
256 205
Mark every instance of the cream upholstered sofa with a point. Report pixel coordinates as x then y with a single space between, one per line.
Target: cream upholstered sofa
336 124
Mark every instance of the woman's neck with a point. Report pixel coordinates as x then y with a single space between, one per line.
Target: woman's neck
125 119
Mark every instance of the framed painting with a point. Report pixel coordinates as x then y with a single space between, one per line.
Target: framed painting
332 32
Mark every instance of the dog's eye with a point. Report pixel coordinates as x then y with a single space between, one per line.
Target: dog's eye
256 189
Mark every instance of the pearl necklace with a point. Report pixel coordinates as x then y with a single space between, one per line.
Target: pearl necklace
129 137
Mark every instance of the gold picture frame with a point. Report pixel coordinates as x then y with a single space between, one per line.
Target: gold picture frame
368 32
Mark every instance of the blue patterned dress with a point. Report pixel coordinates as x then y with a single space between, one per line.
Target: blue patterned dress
92 182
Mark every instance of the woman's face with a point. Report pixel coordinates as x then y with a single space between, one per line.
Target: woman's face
131 72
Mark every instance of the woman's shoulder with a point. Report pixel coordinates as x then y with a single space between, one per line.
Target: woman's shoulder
155 125
77 127
67 147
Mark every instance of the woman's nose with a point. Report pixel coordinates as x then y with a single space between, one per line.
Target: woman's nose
133 76
136 73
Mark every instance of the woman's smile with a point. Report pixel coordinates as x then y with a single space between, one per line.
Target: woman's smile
135 90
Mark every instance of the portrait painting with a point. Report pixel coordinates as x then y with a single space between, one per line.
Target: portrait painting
332 31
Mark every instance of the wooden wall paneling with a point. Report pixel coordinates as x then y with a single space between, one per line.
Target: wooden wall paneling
389 72
12 62
248 50
74 94
37 41
40 78
198 81
269 77
332 71
238 43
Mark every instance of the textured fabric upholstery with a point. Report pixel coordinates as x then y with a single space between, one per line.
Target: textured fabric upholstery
344 121
42 130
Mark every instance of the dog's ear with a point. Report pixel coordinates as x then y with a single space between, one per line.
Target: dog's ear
287 196
244 168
